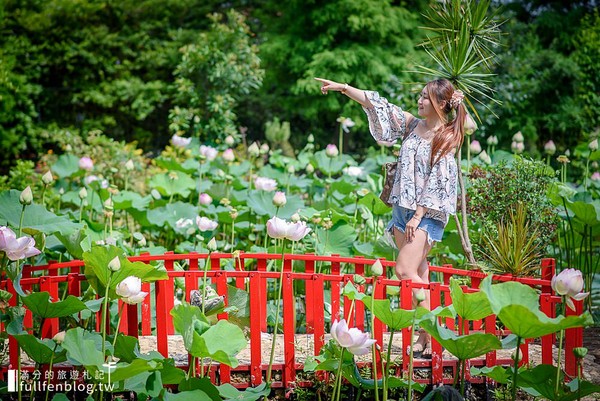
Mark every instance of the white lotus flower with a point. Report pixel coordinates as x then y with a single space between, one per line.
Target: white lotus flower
357 342
206 224
180 141
569 283
208 152
265 184
130 290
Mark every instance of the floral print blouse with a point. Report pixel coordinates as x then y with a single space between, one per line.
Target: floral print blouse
417 183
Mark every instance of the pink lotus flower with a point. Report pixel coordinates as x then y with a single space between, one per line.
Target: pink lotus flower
180 141
85 163
277 228
569 283
130 290
265 184
16 248
208 152
279 199
331 150
595 176
228 155
352 339
206 224
205 199
297 231
475 147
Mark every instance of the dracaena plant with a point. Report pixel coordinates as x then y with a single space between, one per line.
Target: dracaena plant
515 249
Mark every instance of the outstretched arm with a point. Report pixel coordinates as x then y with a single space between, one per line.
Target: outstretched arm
353 93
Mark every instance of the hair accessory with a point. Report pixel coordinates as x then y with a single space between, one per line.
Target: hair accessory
457 98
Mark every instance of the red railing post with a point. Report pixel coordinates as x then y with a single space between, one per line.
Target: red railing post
146 311
547 340
437 365
240 264
50 326
378 324
309 269
319 312
169 294
406 296
162 315
359 307
261 266
13 345
256 319
335 290
573 339
289 325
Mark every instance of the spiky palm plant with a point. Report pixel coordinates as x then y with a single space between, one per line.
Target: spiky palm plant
462 41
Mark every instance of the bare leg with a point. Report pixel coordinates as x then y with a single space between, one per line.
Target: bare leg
412 264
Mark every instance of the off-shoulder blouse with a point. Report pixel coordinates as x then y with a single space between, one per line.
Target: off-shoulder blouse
417 183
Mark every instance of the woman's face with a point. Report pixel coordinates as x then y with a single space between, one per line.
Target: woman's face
424 103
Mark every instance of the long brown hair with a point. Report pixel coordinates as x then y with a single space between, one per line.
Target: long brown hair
450 135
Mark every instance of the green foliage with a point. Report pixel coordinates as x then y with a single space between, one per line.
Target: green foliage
462 46
215 70
515 249
502 187
278 135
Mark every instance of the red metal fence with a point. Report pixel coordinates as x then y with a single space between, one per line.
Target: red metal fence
314 274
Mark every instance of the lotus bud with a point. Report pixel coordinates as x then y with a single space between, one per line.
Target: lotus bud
517 355
580 352
253 150
550 148
229 141
331 150
518 137
492 140
47 178
83 193
61 191
108 204
155 194
567 153
593 145
233 213
26 196
595 164
358 279
264 149
309 168
517 147
115 264
475 147
228 155
279 199
420 295
85 163
595 176
484 157
212 245
204 199
68 148
291 169
129 166
59 337
377 268
311 138
295 217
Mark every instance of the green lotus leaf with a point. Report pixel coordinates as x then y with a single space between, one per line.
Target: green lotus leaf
39 304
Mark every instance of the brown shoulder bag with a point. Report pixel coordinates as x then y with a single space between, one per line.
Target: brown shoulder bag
388 182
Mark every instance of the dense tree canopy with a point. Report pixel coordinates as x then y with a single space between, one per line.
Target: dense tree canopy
141 70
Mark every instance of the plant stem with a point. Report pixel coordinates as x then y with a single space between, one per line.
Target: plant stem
387 371
50 370
21 220
341 140
278 305
560 344
410 357
374 345
232 234
516 370
338 378
118 324
104 314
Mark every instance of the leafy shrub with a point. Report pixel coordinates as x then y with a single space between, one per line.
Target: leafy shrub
499 189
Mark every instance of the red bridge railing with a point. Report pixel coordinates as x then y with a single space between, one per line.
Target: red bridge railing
314 274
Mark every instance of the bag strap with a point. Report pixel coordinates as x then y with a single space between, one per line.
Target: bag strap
413 124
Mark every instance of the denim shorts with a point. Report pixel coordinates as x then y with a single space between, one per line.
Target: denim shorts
432 227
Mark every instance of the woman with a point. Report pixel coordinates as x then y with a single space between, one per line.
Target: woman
424 191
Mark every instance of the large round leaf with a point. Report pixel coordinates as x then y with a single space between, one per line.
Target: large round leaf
36 216
39 304
41 351
173 183
261 203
